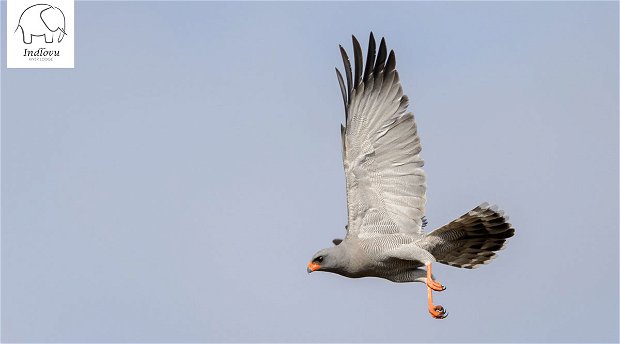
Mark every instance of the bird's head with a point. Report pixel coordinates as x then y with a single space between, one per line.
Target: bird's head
328 259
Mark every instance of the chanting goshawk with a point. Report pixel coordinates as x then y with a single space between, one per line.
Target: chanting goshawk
386 189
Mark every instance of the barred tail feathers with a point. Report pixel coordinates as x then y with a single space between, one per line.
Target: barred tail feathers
472 239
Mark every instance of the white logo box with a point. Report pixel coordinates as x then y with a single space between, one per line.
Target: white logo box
40 33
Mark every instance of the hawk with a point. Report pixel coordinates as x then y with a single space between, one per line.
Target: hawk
386 189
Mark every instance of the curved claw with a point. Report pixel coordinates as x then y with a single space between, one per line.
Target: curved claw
436 286
438 312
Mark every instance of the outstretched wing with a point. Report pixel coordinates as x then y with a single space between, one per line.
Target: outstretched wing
386 186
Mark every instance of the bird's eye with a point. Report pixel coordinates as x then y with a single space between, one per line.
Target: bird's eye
318 259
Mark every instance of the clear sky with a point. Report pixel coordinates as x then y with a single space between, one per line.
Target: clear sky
173 186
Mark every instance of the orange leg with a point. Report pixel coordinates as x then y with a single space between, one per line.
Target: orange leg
436 286
437 312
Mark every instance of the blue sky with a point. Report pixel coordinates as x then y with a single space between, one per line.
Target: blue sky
173 186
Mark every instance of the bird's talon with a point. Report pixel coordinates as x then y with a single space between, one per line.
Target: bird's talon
436 286
440 315
437 312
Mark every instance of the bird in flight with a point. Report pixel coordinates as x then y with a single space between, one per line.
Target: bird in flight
386 189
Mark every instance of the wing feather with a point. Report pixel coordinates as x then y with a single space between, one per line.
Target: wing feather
370 58
347 71
343 88
357 57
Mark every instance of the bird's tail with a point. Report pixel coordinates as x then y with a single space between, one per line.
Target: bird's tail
472 239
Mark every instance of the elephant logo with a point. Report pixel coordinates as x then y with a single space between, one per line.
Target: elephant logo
42 20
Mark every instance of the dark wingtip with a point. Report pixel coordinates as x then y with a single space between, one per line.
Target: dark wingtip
357 58
379 64
343 90
370 57
391 62
347 70
343 52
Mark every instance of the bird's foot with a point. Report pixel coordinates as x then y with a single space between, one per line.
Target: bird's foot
437 312
436 286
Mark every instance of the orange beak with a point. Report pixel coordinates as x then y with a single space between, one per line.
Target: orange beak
312 266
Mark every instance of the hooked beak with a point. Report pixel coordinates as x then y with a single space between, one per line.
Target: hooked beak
312 266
